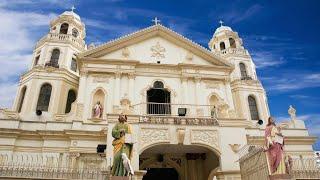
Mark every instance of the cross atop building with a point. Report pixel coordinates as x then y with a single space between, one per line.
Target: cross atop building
73 8
221 23
156 21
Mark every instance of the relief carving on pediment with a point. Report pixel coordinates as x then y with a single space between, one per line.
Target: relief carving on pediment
157 51
125 52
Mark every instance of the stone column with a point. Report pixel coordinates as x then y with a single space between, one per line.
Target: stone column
82 87
184 89
197 90
116 90
81 95
130 92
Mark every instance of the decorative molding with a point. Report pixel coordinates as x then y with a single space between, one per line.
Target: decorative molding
235 147
212 84
208 137
150 136
8 114
157 51
100 79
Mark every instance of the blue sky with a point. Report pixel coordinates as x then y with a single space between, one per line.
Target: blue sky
281 36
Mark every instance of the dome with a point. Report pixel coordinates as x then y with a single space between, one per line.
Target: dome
71 13
221 29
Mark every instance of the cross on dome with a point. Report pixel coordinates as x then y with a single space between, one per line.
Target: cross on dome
156 21
73 8
221 23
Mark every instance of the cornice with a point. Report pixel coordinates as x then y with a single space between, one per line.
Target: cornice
50 134
289 140
49 73
156 30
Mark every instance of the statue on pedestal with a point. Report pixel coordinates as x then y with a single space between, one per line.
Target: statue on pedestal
275 148
122 148
292 113
97 110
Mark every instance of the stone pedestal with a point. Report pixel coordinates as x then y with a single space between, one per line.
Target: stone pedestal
138 175
120 178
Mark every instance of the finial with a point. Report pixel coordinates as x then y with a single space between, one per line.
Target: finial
221 22
73 8
156 21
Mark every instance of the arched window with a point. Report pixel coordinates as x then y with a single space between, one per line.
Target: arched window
54 60
74 65
75 32
44 97
64 28
222 46
70 99
243 71
232 43
158 85
22 94
253 108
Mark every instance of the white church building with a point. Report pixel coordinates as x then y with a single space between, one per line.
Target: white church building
192 109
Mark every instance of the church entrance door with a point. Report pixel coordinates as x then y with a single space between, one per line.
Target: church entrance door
161 174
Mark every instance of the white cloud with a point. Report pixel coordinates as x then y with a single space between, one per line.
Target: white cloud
7 94
18 34
291 81
263 59
234 14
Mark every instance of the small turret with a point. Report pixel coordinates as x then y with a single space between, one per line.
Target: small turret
65 39
224 38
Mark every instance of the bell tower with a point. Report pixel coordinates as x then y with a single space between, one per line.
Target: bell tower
50 86
248 94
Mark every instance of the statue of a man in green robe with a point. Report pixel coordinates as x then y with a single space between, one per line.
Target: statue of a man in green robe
121 148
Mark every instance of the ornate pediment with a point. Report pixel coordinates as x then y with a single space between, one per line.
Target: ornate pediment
153 44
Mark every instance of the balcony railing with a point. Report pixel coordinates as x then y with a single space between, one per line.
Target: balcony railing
253 165
178 120
236 51
50 64
62 38
38 166
169 109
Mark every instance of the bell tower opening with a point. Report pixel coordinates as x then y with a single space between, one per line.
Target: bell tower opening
158 99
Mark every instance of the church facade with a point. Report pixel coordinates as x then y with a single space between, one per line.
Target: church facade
191 109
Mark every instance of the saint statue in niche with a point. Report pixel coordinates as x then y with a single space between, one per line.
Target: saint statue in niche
97 110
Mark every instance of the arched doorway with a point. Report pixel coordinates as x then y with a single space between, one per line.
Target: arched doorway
158 99
178 162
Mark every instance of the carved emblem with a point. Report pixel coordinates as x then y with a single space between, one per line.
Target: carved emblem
125 52
158 51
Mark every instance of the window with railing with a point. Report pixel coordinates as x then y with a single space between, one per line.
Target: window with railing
54 60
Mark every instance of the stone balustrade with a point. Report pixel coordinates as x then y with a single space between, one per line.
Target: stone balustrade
233 51
61 38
